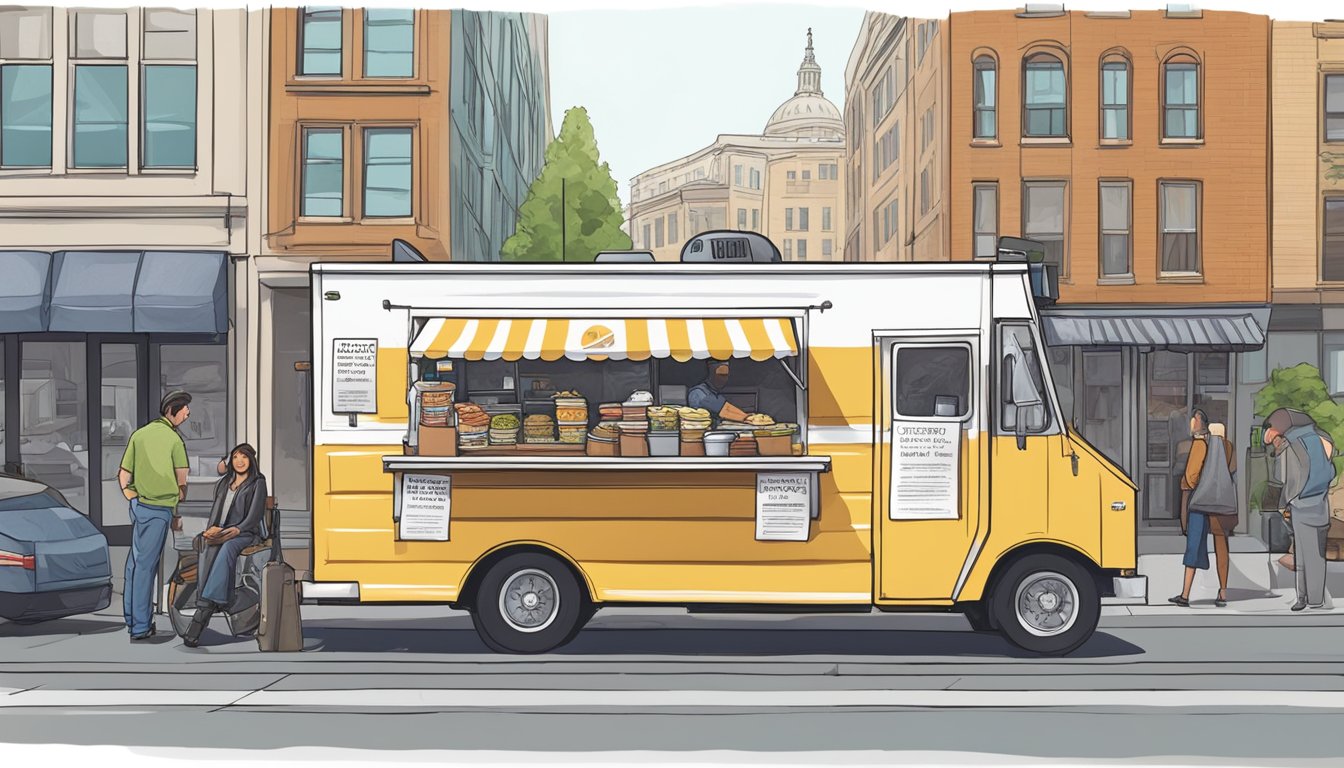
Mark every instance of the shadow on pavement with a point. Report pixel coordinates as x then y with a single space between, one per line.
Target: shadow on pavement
433 638
75 626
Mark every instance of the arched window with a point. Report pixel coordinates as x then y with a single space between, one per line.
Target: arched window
1115 78
986 115
1045 99
1180 98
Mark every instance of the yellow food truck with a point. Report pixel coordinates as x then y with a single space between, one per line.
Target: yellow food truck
533 442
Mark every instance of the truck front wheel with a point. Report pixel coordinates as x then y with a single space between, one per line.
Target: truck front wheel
529 603
1046 604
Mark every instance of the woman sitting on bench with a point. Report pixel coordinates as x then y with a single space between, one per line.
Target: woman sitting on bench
235 524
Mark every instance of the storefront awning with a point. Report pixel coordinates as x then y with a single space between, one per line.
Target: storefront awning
606 339
24 291
115 292
1188 331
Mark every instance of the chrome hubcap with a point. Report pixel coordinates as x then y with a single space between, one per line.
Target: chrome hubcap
529 600
1047 604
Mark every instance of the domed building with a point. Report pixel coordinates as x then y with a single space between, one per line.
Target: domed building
783 183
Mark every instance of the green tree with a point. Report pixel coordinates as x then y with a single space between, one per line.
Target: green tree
1302 388
592 212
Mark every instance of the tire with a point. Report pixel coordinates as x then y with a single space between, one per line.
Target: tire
1046 604
529 603
977 615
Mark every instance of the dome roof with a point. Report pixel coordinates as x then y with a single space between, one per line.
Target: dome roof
809 112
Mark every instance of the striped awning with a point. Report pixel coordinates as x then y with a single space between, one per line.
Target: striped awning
680 339
1193 332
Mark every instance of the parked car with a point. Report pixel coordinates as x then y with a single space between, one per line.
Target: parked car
53 561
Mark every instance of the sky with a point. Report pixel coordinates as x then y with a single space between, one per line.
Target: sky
659 84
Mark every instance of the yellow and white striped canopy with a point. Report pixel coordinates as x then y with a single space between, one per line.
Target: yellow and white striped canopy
681 339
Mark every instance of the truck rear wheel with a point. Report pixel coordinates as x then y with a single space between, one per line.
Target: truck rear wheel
1046 604
529 603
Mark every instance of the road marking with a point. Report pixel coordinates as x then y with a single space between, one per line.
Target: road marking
702 699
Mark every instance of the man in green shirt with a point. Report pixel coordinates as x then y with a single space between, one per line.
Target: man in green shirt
153 479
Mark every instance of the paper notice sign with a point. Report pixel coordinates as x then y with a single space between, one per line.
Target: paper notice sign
925 471
354 376
423 503
783 506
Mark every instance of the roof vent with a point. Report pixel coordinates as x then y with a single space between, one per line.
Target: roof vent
727 246
1036 10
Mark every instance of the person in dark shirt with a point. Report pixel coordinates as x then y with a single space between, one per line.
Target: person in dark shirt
708 394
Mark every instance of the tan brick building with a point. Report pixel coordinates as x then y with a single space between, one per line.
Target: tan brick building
1307 324
1135 145
784 183
896 105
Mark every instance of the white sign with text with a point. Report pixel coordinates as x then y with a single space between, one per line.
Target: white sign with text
423 507
925 471
783 506
354 376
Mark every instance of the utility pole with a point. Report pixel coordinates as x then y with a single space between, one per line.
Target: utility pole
563 238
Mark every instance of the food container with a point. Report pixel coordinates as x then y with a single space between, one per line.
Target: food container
744 445
775 445
692 449
435 402
717 443
601 446
573 434
634 440
503 437
664 444
437 441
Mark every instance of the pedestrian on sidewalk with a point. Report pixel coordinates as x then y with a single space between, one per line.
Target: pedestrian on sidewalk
1208 505
1303 463
153 479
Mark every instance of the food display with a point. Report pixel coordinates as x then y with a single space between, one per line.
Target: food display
504 429
744 445
571 408
473 425
664 418
759 420
539 428
610 411
436 403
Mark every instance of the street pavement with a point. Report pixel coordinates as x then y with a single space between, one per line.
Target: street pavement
1253 684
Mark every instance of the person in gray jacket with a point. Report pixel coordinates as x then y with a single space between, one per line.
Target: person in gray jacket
1304 466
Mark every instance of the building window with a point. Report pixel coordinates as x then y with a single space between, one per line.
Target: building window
802 219
887 149
1334 107
826 248
387 172
658 232
323 172
788 219
741 218
807 175
927 126
389 42
168 89
925 194
1180 98
320 42
737 175
672 235
802 250
788 249
1043 218
1332 240
890 223
826 219
884 96
925 34
756 219
25 116
986 98
1115 99
985 199
1046 98
791 175
1116 222
648 237
877 231
755 178
100 132
1180 227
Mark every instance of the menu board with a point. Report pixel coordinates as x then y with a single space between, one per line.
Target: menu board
422 507
354 376
925 471
783 506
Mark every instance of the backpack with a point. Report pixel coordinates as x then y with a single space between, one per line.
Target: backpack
1215 494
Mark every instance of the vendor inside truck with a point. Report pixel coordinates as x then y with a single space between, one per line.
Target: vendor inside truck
708 394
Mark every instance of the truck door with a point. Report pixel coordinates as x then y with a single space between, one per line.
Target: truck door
930 451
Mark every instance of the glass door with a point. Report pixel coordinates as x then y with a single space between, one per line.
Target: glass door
53 417
121 410
1177 384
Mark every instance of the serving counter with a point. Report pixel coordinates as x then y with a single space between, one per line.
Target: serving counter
595 464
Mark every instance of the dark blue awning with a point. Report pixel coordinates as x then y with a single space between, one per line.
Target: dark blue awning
25 291
1190 329
114 292
182 292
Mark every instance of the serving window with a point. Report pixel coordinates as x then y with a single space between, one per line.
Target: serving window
607 387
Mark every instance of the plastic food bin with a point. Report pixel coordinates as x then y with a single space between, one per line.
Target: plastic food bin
664 443
718 443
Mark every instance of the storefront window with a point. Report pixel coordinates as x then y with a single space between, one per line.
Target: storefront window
199 369
2 402
1103 399
119 415
53 412
1061 370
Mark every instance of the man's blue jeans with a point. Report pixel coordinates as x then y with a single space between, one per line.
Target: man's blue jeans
150 530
